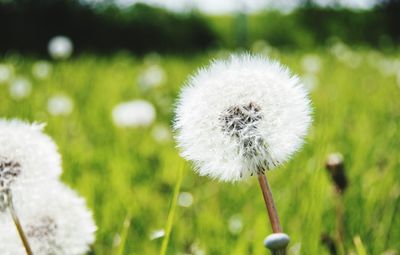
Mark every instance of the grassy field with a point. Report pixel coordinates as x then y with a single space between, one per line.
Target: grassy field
128 178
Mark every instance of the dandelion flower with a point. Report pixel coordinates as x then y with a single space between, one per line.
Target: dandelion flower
6 73
185 199
41 69
152 77
56 222
60 105
157 234
311 63
20 88
161 133
134 113
60 47
27 155
241 116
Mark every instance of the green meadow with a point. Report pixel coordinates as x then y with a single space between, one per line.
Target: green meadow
131 180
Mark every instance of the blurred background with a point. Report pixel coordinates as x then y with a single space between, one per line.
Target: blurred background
104 75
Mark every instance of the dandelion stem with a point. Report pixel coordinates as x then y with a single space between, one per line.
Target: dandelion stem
19 226
269 202
172 210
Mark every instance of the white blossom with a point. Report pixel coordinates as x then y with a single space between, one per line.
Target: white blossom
20 88
134 113
27 156
153 76
54 219
185 199
161 133
6 73
60 105
41 69
60 47
241 116
311 63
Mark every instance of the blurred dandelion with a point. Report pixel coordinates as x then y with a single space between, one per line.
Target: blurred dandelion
41 69
20 88
310 81
185 199
60 47
161 133
50 221
60 105
157 234
134 114
235 224
241 117
6 73
311 63
153 76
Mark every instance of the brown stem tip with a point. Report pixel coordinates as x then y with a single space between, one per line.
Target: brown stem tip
269 203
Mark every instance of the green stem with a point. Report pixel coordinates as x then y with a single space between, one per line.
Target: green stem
172 210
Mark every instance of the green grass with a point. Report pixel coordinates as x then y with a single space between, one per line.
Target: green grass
128 179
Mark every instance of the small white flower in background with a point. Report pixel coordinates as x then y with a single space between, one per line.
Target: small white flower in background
161 133
152 58
60 47
196 249
262 47
345 55
55 221
20 88
241 116
335 159
60 105
235 224
27 156
157 234
153 76
41 69
135 113
6 73
185 199
310 81
311 63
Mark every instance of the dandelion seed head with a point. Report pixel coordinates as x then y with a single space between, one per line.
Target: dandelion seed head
152 77
60 47
20 88
27 155
55 222
136 113
157 234
41 69
311 63
60 105
241 116
6 73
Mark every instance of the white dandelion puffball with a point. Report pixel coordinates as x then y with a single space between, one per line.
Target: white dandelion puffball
20 88
60 47
60 105
241 116
27 155
135 113
55 221
41 69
